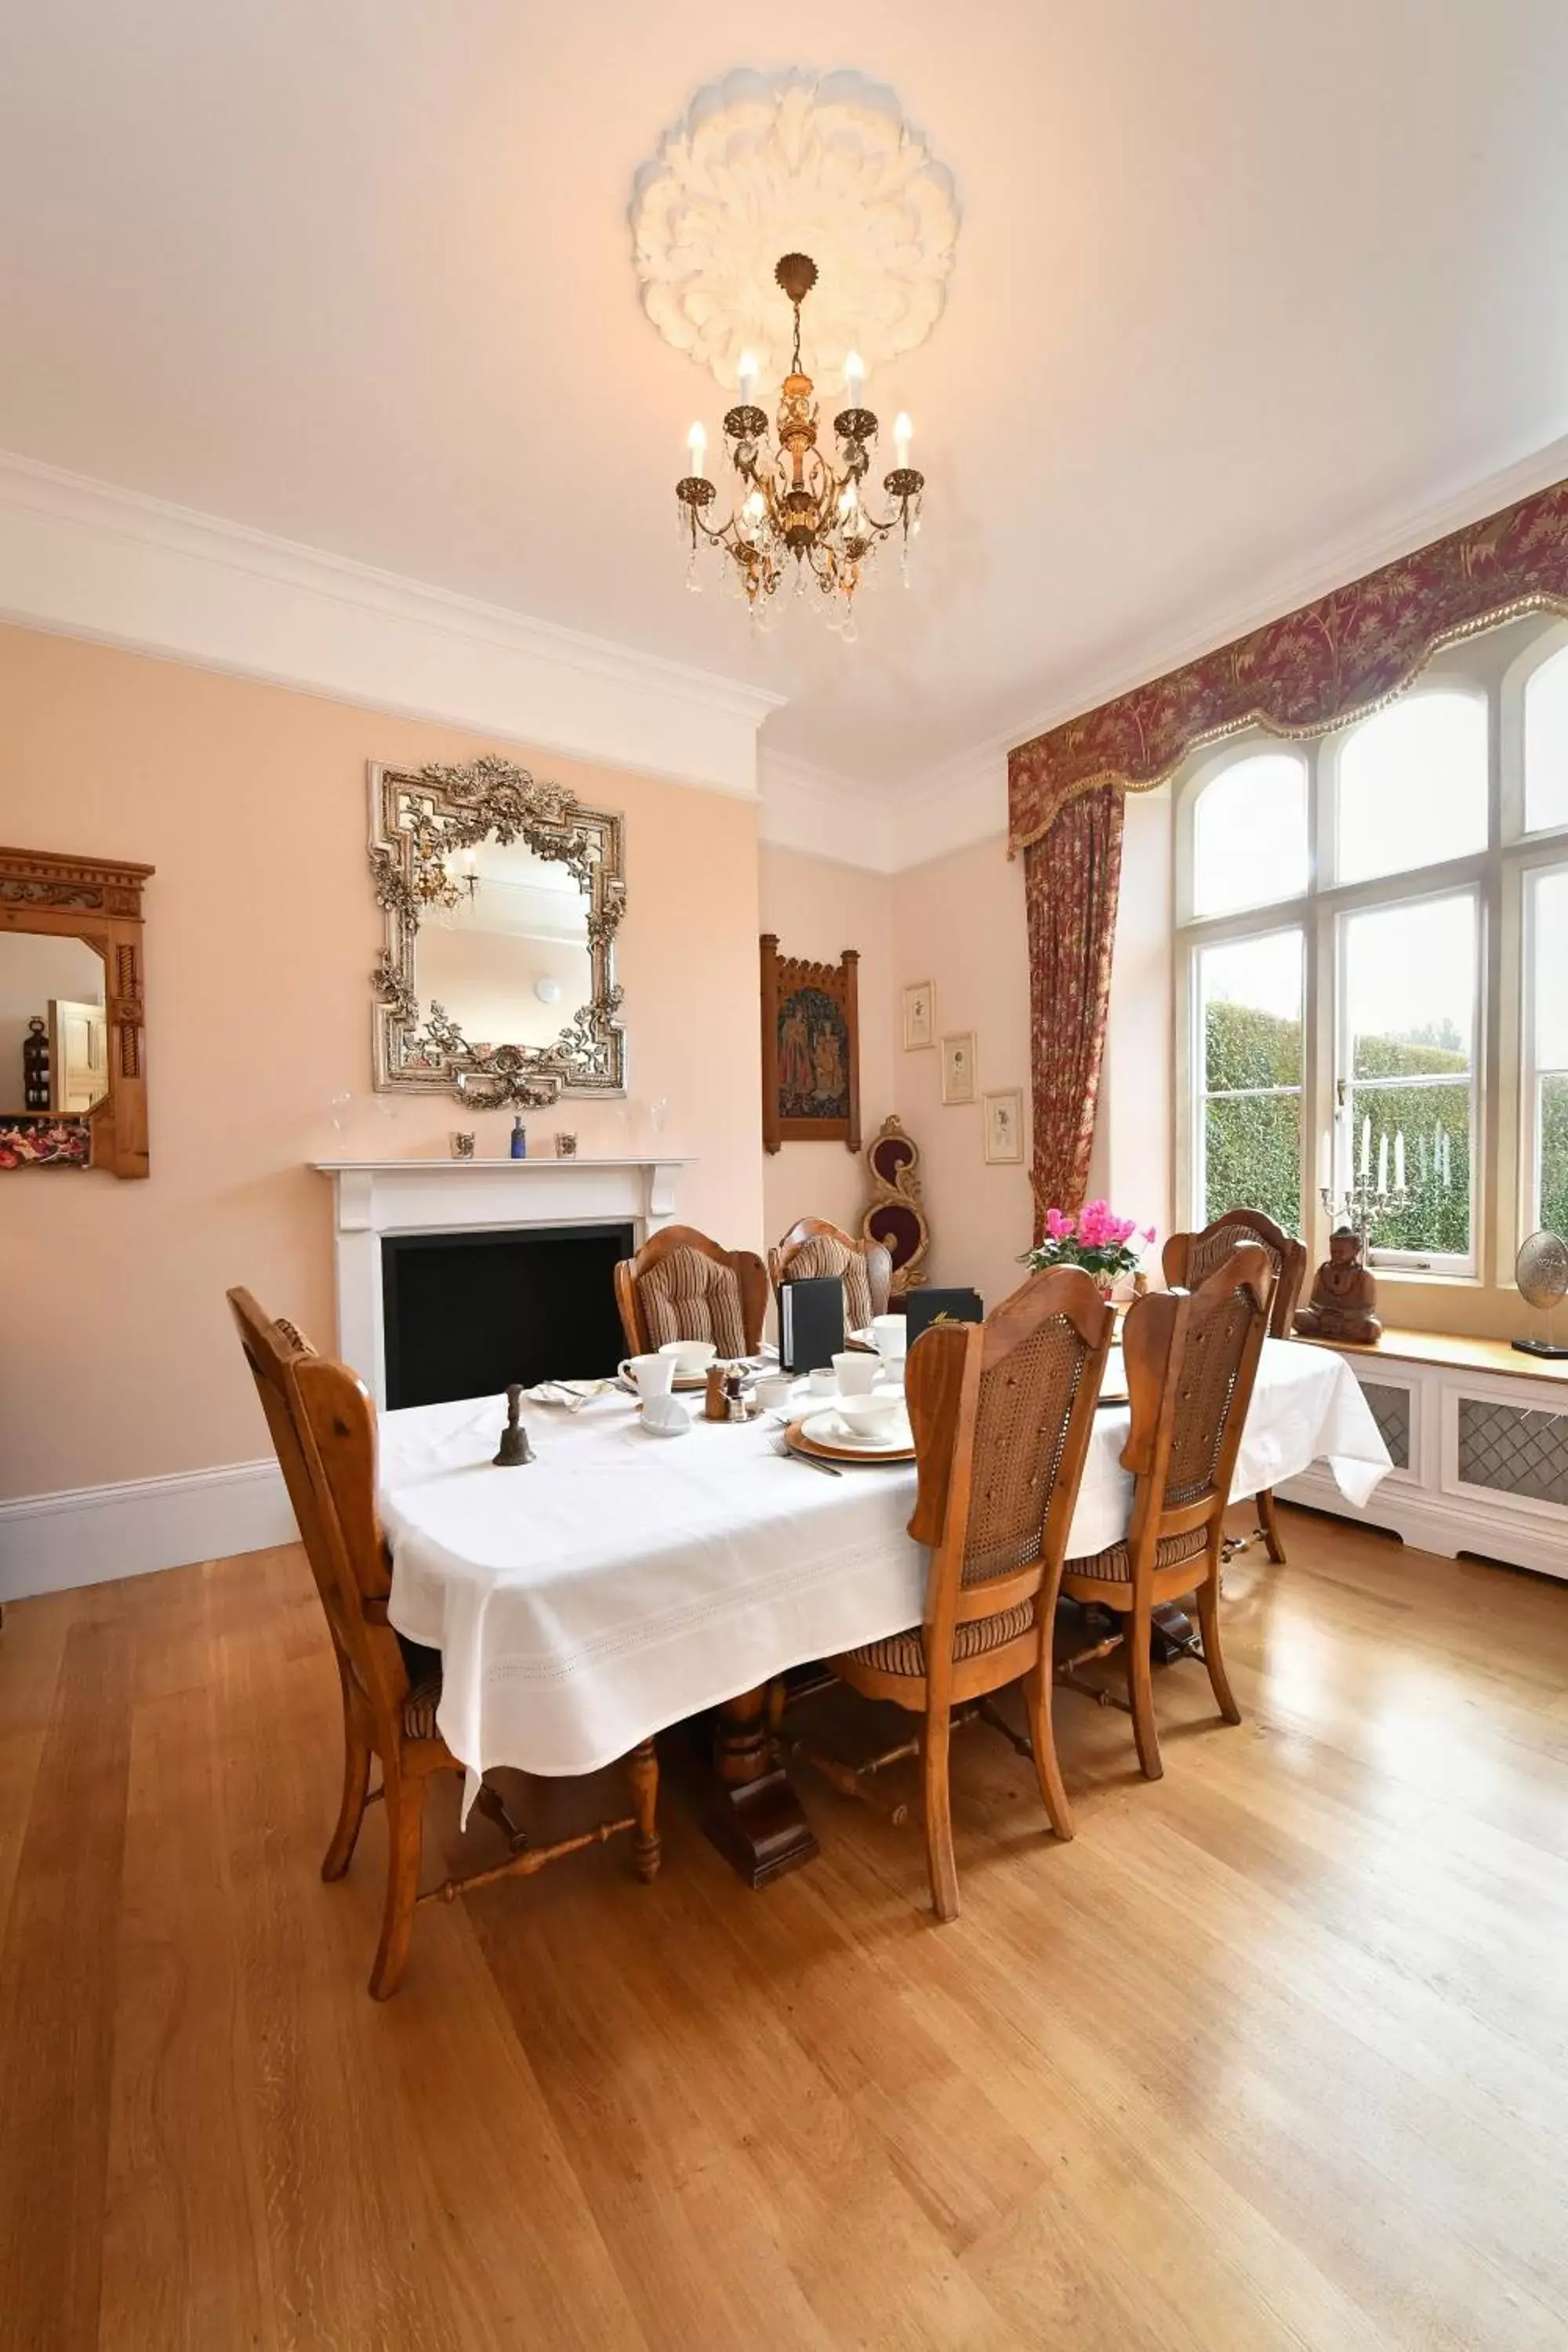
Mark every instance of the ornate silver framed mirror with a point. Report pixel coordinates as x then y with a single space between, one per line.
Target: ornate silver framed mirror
503 898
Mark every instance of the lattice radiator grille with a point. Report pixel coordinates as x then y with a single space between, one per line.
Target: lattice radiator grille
1512 1451
1391 1411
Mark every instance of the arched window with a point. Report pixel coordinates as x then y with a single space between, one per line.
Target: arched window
1250 833
1412 785
1546 744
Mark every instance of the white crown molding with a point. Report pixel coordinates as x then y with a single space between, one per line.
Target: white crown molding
883 828
82 559
1348 559
812 809
90 1535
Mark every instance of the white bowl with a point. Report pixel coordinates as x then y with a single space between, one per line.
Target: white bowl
691 1355
875 1415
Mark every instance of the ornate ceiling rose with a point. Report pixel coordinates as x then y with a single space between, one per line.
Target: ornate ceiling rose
768 163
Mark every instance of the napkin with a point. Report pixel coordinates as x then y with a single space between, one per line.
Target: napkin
573 1394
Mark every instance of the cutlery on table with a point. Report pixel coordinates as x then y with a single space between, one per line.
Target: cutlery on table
811 1460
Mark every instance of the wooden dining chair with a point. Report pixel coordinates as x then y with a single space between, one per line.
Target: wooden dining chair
1191 1359
815 1247
1186 1258
322 1424
681 1285
1002 1413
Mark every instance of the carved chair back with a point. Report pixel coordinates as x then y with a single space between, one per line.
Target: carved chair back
1002 1413
1188 1259
815 1247
322 1425
1192 1358
683 1285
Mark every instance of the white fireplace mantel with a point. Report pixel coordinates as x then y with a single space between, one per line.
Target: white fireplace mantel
376 1197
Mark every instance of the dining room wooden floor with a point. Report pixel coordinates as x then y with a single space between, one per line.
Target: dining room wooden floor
1275 2054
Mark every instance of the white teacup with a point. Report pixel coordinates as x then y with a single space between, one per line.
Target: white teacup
855 1371
689 1357
776 1391
653 1375
823 1382
875 1416
889 1335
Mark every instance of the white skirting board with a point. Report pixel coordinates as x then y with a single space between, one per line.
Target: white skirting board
92 1534
1445 1524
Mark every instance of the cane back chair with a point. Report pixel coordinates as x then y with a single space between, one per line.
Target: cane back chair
1191 1357
681 1285
1002 1413
814 1247
1186 1258
322 1425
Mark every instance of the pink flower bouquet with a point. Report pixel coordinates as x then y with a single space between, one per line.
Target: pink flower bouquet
1106 1246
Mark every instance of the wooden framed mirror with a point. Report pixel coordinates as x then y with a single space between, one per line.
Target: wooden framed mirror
73 1056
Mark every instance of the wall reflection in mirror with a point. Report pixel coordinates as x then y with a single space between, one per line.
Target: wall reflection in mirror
53 1045
509 961
502 898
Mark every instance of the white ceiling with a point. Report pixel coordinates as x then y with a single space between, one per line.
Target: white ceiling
1238 285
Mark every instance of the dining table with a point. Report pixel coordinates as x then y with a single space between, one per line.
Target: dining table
621 1582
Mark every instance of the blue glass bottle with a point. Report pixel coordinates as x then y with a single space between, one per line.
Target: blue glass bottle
519 1139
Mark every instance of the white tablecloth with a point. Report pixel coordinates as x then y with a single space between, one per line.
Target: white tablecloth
623 1581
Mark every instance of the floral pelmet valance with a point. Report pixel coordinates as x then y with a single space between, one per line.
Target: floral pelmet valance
1319 668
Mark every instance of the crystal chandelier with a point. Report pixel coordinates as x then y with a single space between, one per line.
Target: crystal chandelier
794 503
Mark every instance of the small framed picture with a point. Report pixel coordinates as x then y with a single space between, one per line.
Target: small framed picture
1004 1125
919 1016
958 1067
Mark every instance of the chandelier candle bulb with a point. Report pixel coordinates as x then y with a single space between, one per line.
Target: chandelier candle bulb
697 450
903 434
853 378
746 377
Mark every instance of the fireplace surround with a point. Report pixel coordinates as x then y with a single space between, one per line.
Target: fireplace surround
377 1200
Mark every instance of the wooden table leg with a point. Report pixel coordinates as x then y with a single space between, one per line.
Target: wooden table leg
754 1816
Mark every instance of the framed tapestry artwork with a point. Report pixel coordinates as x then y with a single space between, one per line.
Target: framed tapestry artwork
1004 1125
811 1049
919 1016
958 1067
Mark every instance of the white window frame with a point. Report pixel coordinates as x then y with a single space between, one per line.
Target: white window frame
1504 1139
1532 1071
1344 1127
1220 933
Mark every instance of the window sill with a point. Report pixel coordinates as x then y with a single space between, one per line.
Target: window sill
1426 1280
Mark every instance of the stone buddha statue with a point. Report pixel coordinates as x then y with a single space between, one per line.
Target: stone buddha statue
1343 1303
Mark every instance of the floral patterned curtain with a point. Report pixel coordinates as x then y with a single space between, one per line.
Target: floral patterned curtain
1319 668
1072 879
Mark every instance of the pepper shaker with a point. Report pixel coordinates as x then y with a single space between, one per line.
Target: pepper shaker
715 1404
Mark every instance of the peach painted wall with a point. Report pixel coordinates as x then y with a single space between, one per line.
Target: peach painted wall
959 922
251 802
818 907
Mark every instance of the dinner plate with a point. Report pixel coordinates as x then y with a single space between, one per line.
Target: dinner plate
825 1433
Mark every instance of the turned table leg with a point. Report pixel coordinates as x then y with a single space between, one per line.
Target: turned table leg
754 1816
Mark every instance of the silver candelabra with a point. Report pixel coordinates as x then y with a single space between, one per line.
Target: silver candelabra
1360 1206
